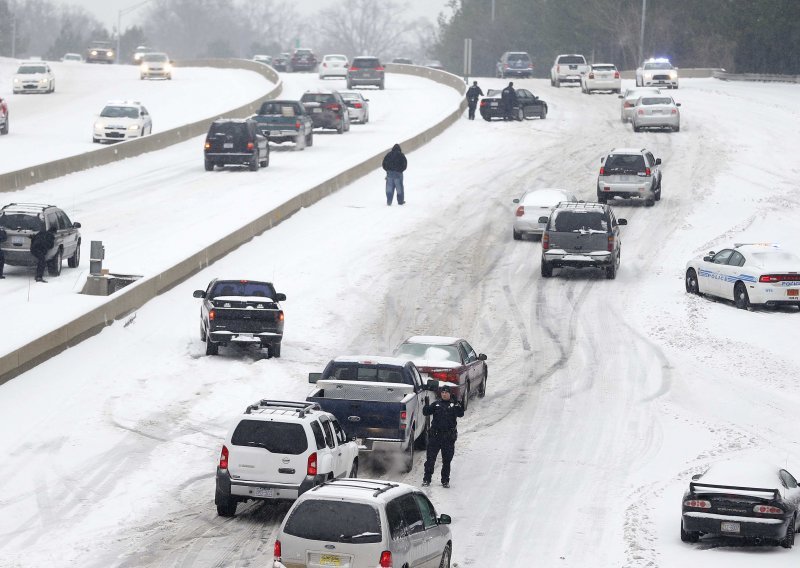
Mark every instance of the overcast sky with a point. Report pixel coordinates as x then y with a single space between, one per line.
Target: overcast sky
107 10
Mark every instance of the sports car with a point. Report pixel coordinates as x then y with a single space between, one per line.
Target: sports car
748 274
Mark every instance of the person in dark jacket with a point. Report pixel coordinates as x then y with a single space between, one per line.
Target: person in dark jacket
442 434
508 98
3 237
472 98
41 243
395 164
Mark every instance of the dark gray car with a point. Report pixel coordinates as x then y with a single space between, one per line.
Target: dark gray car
327 109
364 71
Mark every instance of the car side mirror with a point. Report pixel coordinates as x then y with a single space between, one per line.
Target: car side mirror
444 519
432 385
482 357
603 160
677 104
707 258
280 297
658 161
76 225
199 294
620 97
314 377
697 476
515 201
543 219
622 221
367 100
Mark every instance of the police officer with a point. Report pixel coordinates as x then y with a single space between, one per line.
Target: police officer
472 98
508 97
41 243
442 434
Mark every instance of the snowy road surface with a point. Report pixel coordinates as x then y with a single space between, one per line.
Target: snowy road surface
604 396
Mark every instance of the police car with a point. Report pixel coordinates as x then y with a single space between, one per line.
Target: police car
748 274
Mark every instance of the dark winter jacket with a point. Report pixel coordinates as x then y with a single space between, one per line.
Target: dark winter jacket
42 242
445 416
508 97
474 92
395 161
3 235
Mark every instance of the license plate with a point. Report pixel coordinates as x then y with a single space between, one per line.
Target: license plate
493 105
330 560
264 492
18 241
729 527
228 145
317 110
367 74
794 293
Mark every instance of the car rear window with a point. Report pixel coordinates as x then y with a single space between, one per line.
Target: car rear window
238 130
519 57
236 288
335 521
429 352
656 101
335 58
366 62
604 68
569 221
571 60
280 109
369 373
19 222
624 164
275 437
318 98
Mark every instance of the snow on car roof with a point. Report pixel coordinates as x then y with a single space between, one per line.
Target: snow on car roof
432 339
626 151
437 363
743 473
545 197
371 360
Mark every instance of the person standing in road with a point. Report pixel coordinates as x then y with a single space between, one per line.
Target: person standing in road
472 98
395 164
41 243
442 434
3 237
508 97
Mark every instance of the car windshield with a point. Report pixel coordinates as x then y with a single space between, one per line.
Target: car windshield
31 69
624 164
242 289
366 62
275 437
577 221
334 521
21 222
572 60
367 373
155 57
604 68
120 112
655 101
429 352
658 65
318 98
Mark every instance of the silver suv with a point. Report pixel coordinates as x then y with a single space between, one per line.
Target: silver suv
365 71
581 235
363 523
277 450
629 173
21 221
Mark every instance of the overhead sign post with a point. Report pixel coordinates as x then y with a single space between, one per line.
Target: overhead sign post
467 59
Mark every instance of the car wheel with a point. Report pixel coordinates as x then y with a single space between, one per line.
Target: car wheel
482 387
689 536
422 442
602 198
552 83
408 456
636 128
520 114
740 296
349 85
788 540
299 143
75 260
211 347
547 269
517 235
209 166
265 161
676 129
487 118
226 506
543 113
381 86
445 561
611 271
692 285
54 265
253 165
141 77
649 202
353 470
558 84
310 140
202 333
465 400
340 128
4 130
275 350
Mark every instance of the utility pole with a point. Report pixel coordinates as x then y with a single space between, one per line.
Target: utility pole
14 37
493 10
641 34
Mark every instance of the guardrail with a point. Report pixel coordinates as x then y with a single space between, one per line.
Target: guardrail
722 75
688 73
136 295
13 181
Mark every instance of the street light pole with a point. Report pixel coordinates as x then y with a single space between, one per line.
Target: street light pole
641 34
493 10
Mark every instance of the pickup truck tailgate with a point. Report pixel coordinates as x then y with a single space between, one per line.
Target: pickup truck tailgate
246 314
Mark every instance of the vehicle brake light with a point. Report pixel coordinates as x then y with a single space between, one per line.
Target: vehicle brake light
297 125
545 241
312 464
647 171
484 102
602 171
697 504
355 68
250 146
356 105
558 68
446 376
641 111
591 75
324 64
379 69
207 146
386 559
332 106
779 277
403 419
674 111
520 211
280 316
223 458
616 74
769 509
611 241
212 314
276 552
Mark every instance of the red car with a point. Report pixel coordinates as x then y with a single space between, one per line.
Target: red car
3 116
448 359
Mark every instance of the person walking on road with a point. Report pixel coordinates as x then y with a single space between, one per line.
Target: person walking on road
442 434
508 97
41 243
395 164
472 98
3 237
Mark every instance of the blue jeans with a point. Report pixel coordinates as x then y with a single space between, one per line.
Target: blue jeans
394 180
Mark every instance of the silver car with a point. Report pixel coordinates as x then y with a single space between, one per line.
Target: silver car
155 66
629 173
363 523
657 111
357 106
534 204
629 99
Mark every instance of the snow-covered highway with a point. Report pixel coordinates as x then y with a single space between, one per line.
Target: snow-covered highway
604 396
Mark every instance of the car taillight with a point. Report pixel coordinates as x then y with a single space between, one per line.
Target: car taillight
312 464
297 125
212 314
324 64
356 105
379 69
386 559
779 277
403 419
355 68
674 111
591 75
602 171
484 102
332 106
446 376
545 241
616 74
207 145
647 172
250 146
223 458
641 111
611 241
520 211
280 316
697 504
276 551
768 509
558 68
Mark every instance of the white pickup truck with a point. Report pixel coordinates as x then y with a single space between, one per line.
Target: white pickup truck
568 68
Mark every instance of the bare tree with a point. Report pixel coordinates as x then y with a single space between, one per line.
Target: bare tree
366 27
274 23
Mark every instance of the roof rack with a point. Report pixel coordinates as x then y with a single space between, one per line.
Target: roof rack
368 484
579 205
300 407
42 205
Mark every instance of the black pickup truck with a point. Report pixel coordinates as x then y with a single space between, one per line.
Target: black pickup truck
285 121
241 312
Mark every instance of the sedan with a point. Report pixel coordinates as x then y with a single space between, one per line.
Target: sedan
448 359
333 66
3 116
528 105
534 204
34 77
748 274
756 501
629 99
601 77
658 111
357 106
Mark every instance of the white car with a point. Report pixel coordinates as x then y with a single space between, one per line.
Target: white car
334 65
155 66
534 204
749 274
568 68
656 111
629 99
122 120
34 77
363 523
601 77
357 106
278 450
72 58
265 59
657 73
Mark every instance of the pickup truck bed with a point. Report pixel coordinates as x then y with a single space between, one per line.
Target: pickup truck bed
285 121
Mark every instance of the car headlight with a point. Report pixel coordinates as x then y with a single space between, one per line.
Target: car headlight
99 126
673 74
167 67
16 81
111 54
144 67
133 127
94 52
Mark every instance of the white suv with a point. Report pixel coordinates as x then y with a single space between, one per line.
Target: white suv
279 450
122 120
363 523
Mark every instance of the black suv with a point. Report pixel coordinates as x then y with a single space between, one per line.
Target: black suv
327 109
303 59
365 71
21 221
236 141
